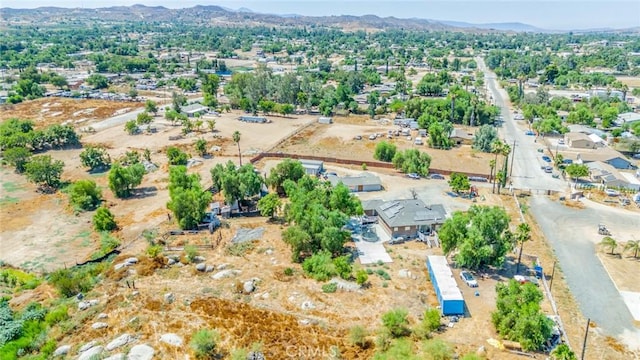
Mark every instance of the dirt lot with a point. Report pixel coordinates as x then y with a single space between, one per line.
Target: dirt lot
47 111
334 140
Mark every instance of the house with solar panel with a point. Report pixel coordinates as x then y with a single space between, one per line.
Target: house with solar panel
405 218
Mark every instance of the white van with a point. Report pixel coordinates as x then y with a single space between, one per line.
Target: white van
418 141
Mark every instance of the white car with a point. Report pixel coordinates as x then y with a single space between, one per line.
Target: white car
468 279
611 192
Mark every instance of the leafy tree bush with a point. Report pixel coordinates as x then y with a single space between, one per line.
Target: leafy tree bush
319 266
412 161
480 236
176 156
151 106
563 352
44 171
286 170
56 315
269 205
430 323
95 157
85 195
131 127
237 184
483 138
98 81
122 180
518 316
188 200
459 182
103 220
17 157
361 277
205 344
577 171
358 336
329 288
436 349
396 322
385 151
144 118
201 146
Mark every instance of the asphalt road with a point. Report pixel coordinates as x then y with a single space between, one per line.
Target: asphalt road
527 172
572 234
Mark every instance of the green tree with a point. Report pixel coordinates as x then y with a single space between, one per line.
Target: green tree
95 158
103 220
480 236
361 277
522 235
211 124
85 194
385 151
577 171
484 137
144 118
201 146
188 200
563 352
151 106
299 241
412 161
269 205
98 81
43 171
287 169
518 316
205 344
439 134
131 127
609 242
17 157
396 322
176 156
633 246
459 182
236 139
210 85
122 180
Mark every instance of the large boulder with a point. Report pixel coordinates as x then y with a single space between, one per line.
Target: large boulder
249 287
141 352
118 356
171 339
225 274
121 340
87 346
62 350
201 267
92 353
99 325
169 298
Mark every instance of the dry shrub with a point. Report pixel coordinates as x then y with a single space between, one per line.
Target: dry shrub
147 266
615 344
153 305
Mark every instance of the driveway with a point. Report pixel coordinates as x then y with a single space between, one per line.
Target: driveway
573 236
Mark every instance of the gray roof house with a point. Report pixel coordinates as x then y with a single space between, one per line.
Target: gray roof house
312 167
194 110
605 155
253 119
362 182
628 117
406 218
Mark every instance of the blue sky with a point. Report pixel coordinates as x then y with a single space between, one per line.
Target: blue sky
559 14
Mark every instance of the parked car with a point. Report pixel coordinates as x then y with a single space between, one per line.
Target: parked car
436 176
357 137
567 161
548 169
530 133
397 240
468 279
561 142
413 176
526 279
372 137
611 192
545 158
478 178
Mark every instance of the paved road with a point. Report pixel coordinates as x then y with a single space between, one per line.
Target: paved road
527 172
116 120
571 234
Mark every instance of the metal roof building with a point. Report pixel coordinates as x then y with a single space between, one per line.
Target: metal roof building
447 291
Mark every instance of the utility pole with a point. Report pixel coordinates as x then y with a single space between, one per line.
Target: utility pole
553 273
513 157
584 344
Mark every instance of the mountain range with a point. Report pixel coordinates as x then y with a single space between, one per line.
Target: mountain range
212 14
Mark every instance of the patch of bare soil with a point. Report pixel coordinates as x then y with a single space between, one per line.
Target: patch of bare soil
48 111
619 266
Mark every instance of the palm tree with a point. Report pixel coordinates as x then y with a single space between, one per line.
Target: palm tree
633 246
496 148
236 139
492 165
609 242
505 151
523 234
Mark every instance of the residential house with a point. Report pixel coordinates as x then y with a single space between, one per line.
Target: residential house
461 136
597 140
610 177
605 155
358 183
369 206
628 118
587 130
405 218
312 167
579 141
194 110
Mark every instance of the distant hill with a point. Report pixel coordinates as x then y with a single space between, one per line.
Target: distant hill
511 26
